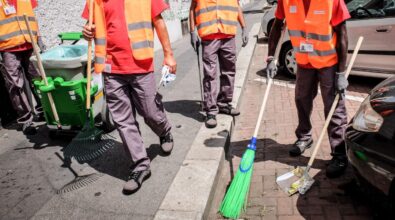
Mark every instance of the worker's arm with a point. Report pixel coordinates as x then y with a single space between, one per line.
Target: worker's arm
244 32
163 36
240 18
192 16
195 41
341 45
274 36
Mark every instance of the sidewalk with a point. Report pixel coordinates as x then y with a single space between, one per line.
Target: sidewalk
325 200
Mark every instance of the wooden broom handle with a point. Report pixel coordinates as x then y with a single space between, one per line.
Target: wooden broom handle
42 71
333 108
269 85
89 64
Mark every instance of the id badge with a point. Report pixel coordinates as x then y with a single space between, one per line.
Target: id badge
306 47
107 67
9 9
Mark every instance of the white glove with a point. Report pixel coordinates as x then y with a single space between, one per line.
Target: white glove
97 79
167 77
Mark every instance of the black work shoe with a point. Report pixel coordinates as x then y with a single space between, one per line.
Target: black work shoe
337 166
211 121
29 129
299 147
135 180
229 110
167 143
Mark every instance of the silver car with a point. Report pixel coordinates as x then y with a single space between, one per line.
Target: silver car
372 19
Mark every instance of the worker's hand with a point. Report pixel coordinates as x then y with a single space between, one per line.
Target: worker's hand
244 37
41 44
341 83
271 68
89 33
171 63
195 41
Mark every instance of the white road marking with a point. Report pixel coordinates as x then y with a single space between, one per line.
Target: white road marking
291 85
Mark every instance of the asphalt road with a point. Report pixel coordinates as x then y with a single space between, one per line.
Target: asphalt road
31 173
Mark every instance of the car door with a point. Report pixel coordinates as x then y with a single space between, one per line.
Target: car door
375 21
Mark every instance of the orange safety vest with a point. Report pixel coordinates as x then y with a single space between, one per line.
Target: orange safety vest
314 29
13 30
216 16
140 31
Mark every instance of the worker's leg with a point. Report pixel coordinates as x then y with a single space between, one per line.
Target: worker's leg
122 109
338 122
305 92
31 74
15 84
149 103
337 125
227 63
210 84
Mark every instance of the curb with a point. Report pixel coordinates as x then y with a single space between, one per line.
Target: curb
190 194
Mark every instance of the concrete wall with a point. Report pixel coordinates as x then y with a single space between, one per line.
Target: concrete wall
56 16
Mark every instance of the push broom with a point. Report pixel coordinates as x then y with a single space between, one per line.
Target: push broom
90 142
299 180
235 199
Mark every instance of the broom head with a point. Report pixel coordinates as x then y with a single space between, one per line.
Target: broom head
236 196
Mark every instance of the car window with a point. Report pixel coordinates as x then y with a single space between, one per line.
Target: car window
360 9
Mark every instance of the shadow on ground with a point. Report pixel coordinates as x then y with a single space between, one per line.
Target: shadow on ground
187 108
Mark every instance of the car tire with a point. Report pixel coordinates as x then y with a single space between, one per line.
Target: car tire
287 59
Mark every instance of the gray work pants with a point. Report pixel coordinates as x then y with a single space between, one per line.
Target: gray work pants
306 90
127 93
18 66
223 51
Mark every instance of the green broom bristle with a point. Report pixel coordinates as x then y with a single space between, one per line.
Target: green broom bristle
236 196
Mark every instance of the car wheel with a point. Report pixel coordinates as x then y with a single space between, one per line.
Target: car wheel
287 59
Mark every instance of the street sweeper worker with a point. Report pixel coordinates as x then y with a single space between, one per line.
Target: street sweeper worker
16 49
123 31
215 22
318 34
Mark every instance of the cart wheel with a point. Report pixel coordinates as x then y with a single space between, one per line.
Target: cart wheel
106 117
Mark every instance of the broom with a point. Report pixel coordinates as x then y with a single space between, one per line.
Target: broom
91 142
235 198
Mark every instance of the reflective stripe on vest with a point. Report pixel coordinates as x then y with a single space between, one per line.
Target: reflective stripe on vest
315 29
216 17
13 30
139 26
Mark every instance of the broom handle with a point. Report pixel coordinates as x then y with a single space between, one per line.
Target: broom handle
333 108
269 85
42 72
89 63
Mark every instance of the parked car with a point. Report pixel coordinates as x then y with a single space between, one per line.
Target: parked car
372 19
370 141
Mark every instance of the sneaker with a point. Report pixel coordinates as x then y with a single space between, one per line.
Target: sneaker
299 147
229 110
337 166
211 121
167 143
29 129
135 180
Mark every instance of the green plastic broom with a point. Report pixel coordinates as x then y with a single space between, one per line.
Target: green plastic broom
235 199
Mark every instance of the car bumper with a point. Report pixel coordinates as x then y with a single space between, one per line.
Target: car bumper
366 162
